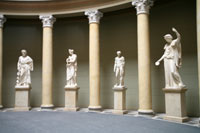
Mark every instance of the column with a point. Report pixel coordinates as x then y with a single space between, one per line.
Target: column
47 61
94 59
144 70
198 44
2 21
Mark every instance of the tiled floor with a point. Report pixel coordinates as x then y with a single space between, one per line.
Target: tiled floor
193 121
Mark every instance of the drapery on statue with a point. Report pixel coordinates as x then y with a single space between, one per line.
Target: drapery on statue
119 69
71 69
172 61
24 66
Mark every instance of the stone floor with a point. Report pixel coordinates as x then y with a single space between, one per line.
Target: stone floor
193 121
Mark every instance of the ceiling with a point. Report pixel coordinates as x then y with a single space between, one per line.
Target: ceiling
58 7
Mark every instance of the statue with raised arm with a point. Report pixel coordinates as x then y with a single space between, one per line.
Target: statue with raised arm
119 69
172 61
24 66
71 69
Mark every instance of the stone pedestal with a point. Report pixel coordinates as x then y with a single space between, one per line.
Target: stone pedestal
71 98
22 98
119 100
175 104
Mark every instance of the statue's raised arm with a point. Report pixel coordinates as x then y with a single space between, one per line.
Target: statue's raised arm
177 34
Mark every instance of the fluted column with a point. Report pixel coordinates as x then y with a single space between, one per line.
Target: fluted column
47 61
144 71
2 21
94 59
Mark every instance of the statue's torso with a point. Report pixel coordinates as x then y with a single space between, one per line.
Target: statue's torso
119 61
24 60
169 50
73 58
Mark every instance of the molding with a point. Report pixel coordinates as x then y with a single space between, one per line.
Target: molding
174 90
47 20
142 6
60 8
93 16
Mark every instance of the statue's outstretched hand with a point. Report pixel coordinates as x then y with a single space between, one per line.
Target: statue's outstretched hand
157 63
174 30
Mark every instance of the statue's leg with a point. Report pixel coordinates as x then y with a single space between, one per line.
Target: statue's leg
179 78
121 80
117 76
73 81
176 77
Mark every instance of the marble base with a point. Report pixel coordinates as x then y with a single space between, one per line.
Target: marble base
22 98
175 104
119 100
119 112
22 108
71 98
176 119
72 109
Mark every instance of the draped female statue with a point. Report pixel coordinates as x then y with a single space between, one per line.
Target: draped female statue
172 61
24 66
71 69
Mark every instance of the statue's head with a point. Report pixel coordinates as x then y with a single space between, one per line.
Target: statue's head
168 38
71 51
24 52
118 53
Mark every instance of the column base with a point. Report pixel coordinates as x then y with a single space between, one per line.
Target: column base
175 104
94 108
47 107
145 112
176 119
22 98
119 100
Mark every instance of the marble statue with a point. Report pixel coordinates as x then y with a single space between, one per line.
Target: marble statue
71 69
119 69
172 61
24 66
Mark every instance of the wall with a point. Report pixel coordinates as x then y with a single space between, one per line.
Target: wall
118 31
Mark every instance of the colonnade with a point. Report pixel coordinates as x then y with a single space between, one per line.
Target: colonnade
94 16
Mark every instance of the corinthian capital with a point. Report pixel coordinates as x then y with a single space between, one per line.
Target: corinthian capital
2 20
47 20
93 16
142 6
